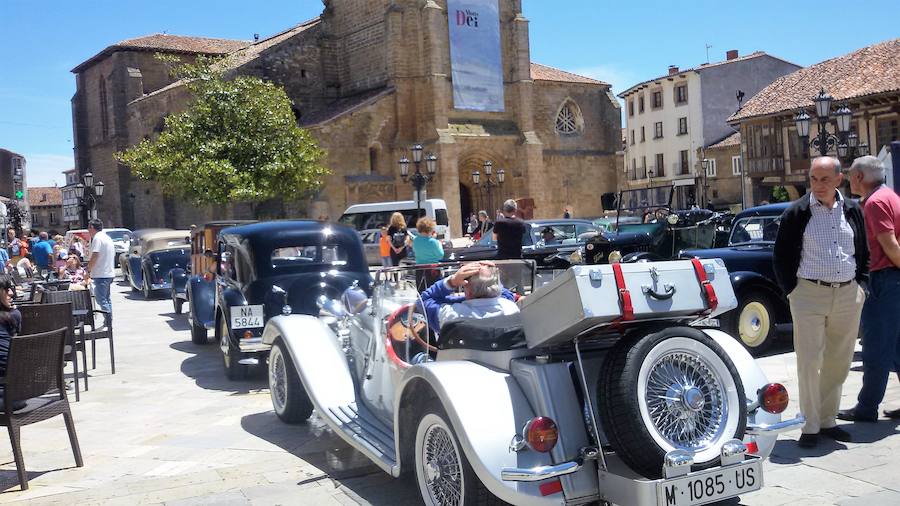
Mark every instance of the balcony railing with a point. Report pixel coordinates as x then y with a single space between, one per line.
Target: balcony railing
680 169
765 166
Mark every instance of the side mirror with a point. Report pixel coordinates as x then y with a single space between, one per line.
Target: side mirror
330 308
355 299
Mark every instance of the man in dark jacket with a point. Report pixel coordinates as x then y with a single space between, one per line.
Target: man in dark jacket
821 256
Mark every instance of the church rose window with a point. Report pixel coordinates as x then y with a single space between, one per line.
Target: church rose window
568 121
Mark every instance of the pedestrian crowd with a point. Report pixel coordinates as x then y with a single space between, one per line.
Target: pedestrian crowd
838 260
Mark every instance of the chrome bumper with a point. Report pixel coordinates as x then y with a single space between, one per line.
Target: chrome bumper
539 473
771 429
161 286
252 345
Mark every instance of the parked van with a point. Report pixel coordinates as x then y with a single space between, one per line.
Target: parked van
367 217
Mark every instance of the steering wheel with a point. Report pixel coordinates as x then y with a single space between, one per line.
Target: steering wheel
413 327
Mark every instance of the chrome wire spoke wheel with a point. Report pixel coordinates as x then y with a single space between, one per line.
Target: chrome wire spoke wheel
440 468
687 398
277 379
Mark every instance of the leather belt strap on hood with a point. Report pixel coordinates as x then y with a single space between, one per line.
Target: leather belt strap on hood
712 301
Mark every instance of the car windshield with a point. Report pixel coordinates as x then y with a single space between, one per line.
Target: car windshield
118 235
754 230
309 254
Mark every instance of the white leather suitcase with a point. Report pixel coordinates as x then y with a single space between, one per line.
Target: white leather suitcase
589 295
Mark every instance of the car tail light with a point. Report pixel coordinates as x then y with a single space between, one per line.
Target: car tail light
541 434
248 334
773 398
208 277
551 487
752 448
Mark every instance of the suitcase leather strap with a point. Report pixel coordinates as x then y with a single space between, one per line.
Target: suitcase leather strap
712 301
624 295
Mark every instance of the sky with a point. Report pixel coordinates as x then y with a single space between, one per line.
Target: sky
621 43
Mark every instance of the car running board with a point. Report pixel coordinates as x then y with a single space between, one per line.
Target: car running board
366 433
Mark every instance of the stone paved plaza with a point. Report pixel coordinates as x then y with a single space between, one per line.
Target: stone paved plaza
169 428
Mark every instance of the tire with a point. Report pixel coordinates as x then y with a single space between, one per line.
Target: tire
148 293
752 322
632 419
177 303
289 399
230 356
434 428
198 332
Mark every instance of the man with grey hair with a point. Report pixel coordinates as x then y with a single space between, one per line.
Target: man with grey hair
484 296
881 312
820 257
508 232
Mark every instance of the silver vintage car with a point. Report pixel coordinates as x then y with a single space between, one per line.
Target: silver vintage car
655 406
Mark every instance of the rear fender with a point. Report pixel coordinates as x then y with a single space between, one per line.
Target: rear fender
317 357
178 278
202 300
135 272
753 379
486 408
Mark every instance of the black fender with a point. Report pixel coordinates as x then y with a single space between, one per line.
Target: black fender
743 281
135 272
201 296
230 297
179 278
641 256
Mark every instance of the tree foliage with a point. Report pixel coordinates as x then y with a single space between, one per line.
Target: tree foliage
237 141
15 216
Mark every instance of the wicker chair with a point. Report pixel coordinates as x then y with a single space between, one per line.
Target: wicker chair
35 376
38 318
81 300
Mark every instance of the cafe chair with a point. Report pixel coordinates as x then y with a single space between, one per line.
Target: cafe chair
38 318
34 377
83 309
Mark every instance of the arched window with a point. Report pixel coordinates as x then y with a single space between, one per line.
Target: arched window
568 119
104 114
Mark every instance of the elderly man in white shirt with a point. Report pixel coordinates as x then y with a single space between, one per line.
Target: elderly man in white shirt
484 296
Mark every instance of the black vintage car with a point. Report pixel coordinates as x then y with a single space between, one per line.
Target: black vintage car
647 228
274 268
160 253
748 257
547 242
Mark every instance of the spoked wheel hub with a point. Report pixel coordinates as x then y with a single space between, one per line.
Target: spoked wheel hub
278 379
441 467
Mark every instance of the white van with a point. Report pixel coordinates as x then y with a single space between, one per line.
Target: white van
365 217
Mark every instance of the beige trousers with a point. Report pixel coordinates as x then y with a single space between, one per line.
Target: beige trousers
826 324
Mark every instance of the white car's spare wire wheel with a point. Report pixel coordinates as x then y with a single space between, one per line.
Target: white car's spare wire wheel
682 389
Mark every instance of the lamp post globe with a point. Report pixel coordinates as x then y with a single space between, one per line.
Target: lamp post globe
823 104
98 188
501 176
79 190
431 164
404 168
801 120
417 153
88 179
843 116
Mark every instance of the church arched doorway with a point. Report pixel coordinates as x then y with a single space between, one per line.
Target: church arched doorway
466 205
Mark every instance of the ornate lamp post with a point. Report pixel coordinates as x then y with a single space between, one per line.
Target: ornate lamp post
704 165
88 194
418 179
489 182
845 143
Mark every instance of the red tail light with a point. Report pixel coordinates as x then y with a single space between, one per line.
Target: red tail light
541 434
551 487
248 334
773 398
208 277
752 448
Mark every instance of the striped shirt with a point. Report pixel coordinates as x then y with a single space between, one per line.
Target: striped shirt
828 249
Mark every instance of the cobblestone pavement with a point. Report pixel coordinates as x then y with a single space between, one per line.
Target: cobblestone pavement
169 428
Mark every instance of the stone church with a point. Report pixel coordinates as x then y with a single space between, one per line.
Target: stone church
370 78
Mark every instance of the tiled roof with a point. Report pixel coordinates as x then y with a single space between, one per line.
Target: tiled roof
171 44
871 70
44 196
544 73
341 106
755 54
249 52
732 140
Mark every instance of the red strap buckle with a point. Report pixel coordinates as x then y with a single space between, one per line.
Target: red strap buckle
712 301
624 294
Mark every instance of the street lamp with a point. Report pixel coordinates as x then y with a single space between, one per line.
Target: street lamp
846 143
489 182
418 179
88 194
704 164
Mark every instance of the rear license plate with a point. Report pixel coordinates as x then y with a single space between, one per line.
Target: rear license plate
707 486
246 317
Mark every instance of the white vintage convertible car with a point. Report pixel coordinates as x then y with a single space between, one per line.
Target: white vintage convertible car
611 384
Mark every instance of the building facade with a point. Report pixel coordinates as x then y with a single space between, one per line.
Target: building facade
672 119
368 94
45 203
866 80
14 182
720 185
70 205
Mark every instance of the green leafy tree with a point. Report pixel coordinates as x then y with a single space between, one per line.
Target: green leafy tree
780 194
237 141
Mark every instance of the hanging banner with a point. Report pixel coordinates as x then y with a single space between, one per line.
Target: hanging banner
475 59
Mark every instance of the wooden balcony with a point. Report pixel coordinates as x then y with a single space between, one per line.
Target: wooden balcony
765 167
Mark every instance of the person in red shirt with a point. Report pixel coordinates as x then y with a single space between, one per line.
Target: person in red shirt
881 312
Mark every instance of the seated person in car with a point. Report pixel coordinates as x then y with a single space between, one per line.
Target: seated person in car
484 296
